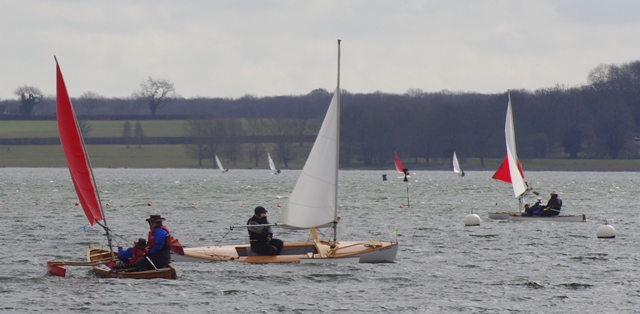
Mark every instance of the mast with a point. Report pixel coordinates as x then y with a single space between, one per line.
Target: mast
335 211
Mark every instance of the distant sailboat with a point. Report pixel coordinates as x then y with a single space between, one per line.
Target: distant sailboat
272 166
404 171
456 166
220 164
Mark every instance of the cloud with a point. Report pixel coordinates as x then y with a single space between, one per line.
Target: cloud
233 48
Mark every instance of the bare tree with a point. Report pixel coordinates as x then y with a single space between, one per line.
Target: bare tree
138 133
281 127
89 101
155 93
85 128
29 97
126 133
198 128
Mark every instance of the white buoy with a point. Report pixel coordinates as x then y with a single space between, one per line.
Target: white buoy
606 231
472 220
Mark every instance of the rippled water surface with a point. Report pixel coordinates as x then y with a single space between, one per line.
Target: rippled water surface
442 266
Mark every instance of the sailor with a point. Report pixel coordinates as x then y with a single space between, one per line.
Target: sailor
261 237
554 205
158 240
537 208
131 255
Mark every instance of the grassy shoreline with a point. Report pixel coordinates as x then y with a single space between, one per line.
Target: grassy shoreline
174 156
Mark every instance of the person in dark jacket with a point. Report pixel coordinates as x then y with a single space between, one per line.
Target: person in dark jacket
537 208
261 237
554 205
158 240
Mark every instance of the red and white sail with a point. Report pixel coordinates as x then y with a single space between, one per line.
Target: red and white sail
510 170
75 153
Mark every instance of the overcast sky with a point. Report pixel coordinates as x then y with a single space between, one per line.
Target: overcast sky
267 48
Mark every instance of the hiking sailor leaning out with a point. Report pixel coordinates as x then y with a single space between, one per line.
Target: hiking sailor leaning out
261 237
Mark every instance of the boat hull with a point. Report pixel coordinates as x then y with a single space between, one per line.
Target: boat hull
101 255
501 215
297 252
559 218
516 216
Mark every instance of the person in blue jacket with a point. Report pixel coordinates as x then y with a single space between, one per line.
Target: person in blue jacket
158 240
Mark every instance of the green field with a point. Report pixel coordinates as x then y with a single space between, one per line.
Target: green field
37 129
174 156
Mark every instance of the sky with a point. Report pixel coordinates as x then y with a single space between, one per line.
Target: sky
233 48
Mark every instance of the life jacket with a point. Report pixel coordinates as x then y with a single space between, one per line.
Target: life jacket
260 237
136 254
151 240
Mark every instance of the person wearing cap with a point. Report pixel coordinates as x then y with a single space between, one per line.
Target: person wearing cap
261 237
158 240
554 205
131 255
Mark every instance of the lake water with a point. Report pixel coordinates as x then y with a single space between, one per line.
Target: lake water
442 266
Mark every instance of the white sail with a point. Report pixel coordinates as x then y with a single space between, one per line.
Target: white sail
272 166
313 202
219 163
456 164
517 180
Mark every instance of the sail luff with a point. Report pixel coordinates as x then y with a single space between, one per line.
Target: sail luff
337 147
517 178
75 153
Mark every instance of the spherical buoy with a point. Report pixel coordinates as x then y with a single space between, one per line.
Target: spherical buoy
279 205
606 232
37 203
472 220
149 204
77 204
193 204
242 205
401 206
107 204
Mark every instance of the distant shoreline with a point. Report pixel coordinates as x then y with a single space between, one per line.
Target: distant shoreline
174 156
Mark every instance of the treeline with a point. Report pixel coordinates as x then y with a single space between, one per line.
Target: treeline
597 120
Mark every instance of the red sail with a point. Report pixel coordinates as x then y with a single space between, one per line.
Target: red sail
74 152
503 174
398 163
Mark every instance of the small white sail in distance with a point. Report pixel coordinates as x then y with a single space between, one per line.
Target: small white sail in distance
272 166
456 164
219 163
